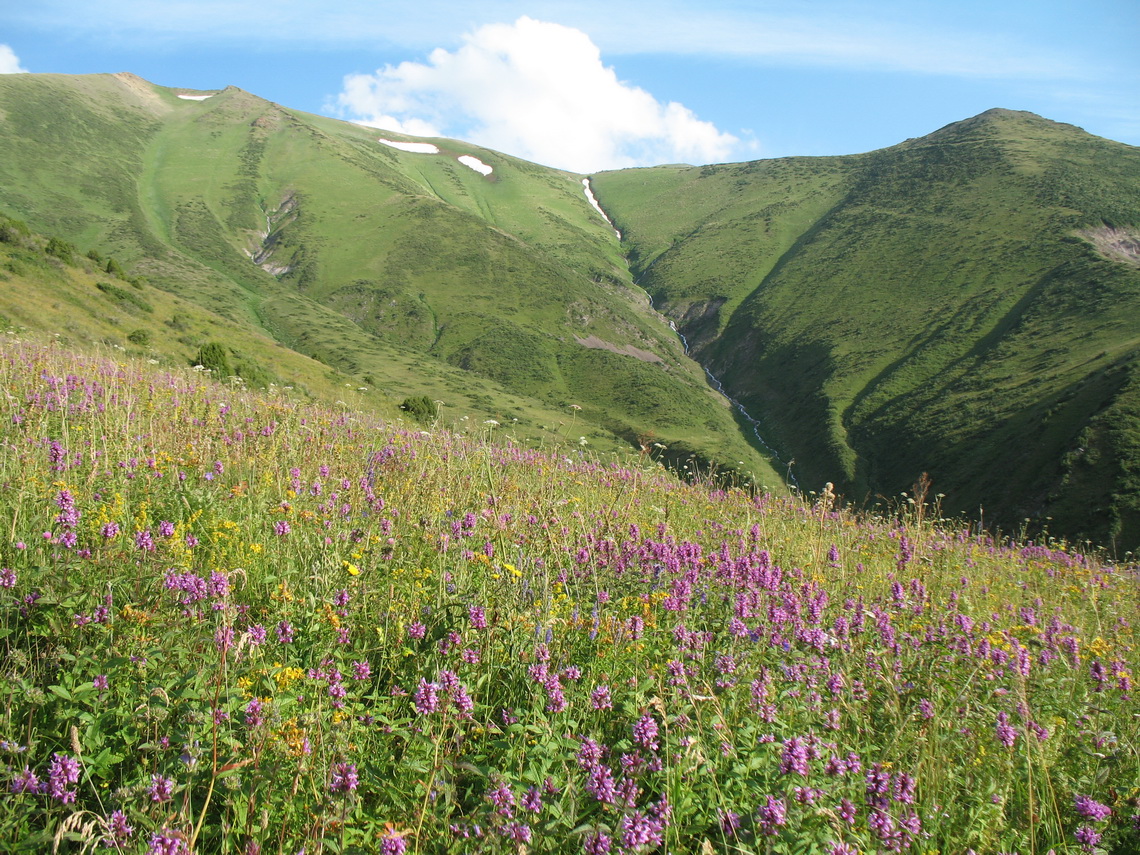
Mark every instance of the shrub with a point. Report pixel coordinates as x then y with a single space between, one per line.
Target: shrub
213 355
61 249
12 231
422 408
124 297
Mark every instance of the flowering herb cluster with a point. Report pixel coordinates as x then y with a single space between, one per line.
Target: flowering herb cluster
239 623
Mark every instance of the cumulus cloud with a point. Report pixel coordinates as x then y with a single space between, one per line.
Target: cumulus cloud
536 90
9 62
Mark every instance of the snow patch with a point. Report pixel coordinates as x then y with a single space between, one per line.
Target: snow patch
475 163
415 147
590 198
196 97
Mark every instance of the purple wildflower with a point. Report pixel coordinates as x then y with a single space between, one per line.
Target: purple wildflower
596 843
517 831
589 754
641 831
645 733
1091 809
224 637
1088 837
601 784
771 815
795 757
63 773
729 822
345 779
253 713
361 670
1006 734
478 617
532 800
219 585
27 782
144 541
161 789
462 700
167 842
503 799
118 831
425 699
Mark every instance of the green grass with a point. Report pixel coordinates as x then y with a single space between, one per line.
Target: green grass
234 621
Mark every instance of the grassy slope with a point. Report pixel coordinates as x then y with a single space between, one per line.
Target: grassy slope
394 269
927 307
41 292
216 604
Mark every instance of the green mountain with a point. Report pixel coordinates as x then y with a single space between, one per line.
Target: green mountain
966 304
324 257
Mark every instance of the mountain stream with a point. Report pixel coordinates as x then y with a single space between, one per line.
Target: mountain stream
714 381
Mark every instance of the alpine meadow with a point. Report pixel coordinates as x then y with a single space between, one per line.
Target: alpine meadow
366 493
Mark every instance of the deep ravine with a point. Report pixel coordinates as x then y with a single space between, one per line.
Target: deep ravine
713 380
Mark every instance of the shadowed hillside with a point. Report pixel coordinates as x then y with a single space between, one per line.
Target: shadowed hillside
965 304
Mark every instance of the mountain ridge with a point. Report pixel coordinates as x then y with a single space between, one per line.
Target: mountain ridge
944 305
369 248
844 293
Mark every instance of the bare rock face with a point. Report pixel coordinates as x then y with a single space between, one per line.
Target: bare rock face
1115 244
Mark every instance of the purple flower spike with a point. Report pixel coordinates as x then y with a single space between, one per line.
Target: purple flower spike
771 815
62 774
161 789
1091 809
345 779
167 842
645 733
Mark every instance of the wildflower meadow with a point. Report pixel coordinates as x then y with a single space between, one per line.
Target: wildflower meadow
233 621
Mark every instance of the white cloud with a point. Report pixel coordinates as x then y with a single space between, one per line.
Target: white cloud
9 62
535 90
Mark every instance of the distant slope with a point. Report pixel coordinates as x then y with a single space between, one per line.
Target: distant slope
401 271
966 304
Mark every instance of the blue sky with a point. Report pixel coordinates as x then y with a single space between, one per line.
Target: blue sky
590 85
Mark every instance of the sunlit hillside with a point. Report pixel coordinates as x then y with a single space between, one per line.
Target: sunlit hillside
234 621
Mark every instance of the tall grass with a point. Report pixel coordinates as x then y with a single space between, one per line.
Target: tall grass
235 623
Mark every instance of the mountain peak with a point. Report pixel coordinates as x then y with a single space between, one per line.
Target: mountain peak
1001 122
